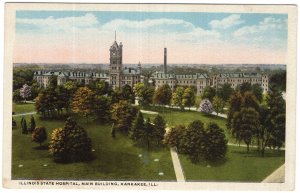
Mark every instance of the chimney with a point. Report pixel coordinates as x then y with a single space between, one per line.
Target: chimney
165 60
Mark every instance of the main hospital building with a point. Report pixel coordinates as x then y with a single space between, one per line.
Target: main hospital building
119 76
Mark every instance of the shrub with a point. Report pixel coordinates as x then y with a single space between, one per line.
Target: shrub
206 106
173 136
70 144
39 135
215 143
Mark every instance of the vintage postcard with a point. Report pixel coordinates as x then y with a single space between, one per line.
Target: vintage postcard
149 96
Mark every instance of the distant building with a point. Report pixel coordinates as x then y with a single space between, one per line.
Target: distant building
202 80
236 79
117 76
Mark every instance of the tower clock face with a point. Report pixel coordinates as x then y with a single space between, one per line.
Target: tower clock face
113 53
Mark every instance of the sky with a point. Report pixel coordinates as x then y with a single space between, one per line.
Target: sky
190 37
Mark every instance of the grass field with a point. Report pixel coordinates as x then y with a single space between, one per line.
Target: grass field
176 117
114 158
119 159
23 108
239 166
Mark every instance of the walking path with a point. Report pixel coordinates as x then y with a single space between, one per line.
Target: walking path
277 176
195 109
243 145
23 114
149 112
177 166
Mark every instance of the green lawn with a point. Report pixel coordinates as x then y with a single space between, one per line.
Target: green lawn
176 117
239 166
119 159
23 108
114 158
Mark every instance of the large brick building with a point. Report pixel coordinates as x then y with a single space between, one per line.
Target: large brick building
117 76
201 80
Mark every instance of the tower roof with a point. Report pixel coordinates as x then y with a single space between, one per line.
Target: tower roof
115 44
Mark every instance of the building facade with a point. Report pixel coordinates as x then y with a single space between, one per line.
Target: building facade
201 80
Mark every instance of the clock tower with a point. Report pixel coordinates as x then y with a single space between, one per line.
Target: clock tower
115 66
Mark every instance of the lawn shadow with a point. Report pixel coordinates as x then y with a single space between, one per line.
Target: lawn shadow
256 153
116 164
42 147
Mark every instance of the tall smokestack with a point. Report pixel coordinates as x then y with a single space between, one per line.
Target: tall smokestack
165 60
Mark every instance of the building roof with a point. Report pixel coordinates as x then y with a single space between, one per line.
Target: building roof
240 75
196 76
131 71
72 74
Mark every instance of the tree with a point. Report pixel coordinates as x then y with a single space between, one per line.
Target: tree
209 93
63 98
39 135
123 114
177 97
32 125
16 96
100 87
174 136
235 103
113 131
34 90
127 93
258 92
193 141
278 80
215 143
249 101
225 92
137 130
83 102
206 106
14 123
245 125
101 107
70 87
159 129
276 118
41 103
264 133
244 87
148 133
24 127
21 76
163 95
70 143
218 104
188 97
25 92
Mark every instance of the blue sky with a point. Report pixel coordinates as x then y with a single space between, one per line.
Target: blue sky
177 29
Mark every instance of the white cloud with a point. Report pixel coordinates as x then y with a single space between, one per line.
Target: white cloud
266 27
146 24
66 23
169 29
227 22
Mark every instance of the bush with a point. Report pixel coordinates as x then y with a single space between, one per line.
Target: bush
70 144
206 106
39 135
14 123
193 141
173 136
32 125
215 143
